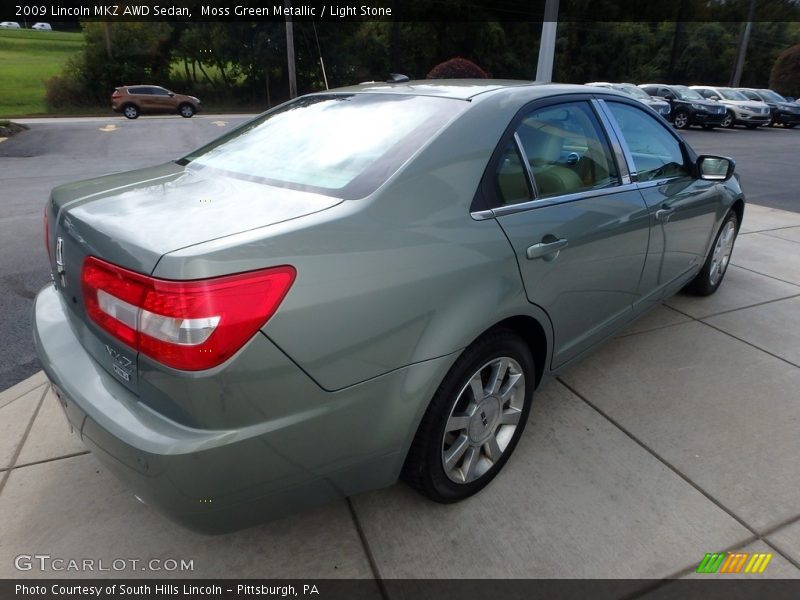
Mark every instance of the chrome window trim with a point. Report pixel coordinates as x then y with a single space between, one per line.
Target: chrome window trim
511 209
524 157
609 120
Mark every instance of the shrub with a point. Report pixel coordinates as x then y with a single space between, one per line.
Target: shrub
785 75
457 68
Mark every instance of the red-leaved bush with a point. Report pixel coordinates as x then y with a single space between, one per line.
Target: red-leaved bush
457 68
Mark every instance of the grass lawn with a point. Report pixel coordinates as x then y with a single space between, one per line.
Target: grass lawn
27 59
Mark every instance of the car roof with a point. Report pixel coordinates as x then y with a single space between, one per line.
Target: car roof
460 89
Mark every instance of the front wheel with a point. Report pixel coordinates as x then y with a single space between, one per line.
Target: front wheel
729 121
475 419
681 119
186 111
710 276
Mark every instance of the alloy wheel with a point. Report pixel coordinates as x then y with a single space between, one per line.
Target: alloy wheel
681 120
722 252
483 420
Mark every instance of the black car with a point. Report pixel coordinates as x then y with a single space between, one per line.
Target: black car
688 107
781 110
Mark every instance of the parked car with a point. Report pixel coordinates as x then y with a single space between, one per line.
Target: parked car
134 100
364 283
9 25
660 106
741 110
782 112
688 107
42 27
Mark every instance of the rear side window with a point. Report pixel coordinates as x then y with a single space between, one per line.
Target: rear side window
567 150
656 152
341 145
511 181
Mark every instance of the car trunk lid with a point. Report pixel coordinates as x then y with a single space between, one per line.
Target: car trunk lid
133 219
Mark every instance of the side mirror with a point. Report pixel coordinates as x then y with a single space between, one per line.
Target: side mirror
171 94
715 168
713 97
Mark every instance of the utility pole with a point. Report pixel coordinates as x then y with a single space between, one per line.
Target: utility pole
744 39
547 45
290 50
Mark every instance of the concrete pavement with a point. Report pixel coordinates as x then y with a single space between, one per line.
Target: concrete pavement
677 438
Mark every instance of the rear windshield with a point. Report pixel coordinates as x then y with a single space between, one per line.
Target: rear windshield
632 90
730 94
342 145
685 93
772 96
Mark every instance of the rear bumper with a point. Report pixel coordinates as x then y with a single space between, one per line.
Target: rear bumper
217 480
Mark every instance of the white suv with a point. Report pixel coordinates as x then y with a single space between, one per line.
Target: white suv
741 111
9 25
42 27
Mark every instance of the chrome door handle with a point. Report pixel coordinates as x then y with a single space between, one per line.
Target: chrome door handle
664 214
545 248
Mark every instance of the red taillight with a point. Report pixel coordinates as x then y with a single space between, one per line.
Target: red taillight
46 232
189 325
116 94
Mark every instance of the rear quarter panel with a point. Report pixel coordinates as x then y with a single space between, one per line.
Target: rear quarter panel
400 277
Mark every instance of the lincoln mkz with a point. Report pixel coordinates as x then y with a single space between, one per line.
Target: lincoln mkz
363 285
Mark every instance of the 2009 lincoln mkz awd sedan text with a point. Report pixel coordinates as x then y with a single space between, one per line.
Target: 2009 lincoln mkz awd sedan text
364 284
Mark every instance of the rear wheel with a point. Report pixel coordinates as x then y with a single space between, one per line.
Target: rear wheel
710 276
475 419
130 111
681 119
186 110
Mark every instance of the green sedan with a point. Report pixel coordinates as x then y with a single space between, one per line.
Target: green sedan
364 284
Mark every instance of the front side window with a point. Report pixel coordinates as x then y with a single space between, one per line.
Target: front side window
341 145
567 150
157 91
656 153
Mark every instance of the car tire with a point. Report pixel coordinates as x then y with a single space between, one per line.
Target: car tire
131 111
713 272
681 119
186 111
463 441
729 121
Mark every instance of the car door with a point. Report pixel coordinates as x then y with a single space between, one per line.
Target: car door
682 207
160 100
142 97
579 228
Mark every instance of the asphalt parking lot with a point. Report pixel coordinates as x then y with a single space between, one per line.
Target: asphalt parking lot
677 438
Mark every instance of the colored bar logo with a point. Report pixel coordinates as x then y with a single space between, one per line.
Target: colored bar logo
734 562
